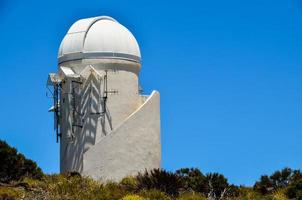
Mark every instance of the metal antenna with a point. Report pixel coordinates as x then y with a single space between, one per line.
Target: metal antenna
105 95
57 110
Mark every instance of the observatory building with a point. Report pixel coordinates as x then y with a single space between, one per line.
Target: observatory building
106 128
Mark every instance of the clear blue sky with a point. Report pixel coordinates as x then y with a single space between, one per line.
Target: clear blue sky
229 74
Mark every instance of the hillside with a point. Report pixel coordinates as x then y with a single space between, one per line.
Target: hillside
21 178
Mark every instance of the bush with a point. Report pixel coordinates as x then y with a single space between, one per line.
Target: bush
278 180
153 195
132 197
250 194
193 180
233 191
14 166
295 190
279 195
281 179
129 184
114 191
264 185
73 187
10 193
217 186
162 180
65 186
191 196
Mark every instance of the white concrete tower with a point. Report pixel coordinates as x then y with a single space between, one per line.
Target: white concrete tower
107 130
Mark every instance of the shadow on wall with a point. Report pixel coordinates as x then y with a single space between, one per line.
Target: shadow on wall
87 117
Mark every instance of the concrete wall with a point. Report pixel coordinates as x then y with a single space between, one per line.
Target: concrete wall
122 142
134 146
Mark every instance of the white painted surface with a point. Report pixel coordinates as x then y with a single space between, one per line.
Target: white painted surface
131 148
99 35
124 140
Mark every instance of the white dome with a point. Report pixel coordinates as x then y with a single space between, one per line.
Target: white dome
98 38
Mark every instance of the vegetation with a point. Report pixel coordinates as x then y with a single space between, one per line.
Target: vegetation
20 178
14 166
168 182
287 180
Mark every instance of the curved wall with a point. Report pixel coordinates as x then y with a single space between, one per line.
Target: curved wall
134 146
109 147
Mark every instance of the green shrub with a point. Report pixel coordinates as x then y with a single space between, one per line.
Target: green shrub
278 180
249 194
162 180
154 195
193 180
233 191
132 197
63 186
191 196
217 186
129 183
114 191
295 190
14 166
9 193
264 185
73 187
279 195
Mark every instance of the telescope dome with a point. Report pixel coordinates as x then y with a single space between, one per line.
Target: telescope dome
99 38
